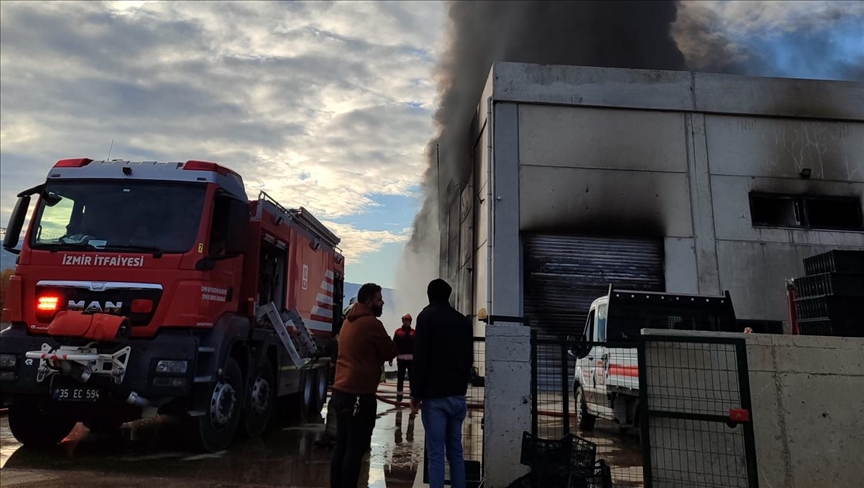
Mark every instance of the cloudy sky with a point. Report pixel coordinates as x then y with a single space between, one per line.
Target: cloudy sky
324 105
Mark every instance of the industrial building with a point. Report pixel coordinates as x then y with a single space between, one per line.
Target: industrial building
651 180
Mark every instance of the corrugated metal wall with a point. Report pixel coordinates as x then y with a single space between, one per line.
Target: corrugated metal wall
564 274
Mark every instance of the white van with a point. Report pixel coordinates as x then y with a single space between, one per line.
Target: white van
606 382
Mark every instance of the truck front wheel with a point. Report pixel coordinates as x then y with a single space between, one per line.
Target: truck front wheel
215 430
584 420
36 424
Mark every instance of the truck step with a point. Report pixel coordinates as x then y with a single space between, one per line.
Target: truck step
206 350
306 340
269 313
203 379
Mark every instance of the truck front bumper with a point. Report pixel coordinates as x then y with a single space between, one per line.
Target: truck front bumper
126 370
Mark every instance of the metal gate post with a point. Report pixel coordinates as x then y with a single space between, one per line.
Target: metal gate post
746 404
643 413
564 388
534 382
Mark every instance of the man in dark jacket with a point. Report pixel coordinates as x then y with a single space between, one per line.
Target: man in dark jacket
443 357
404 339
364 347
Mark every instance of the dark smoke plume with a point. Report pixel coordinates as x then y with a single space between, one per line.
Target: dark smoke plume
619 34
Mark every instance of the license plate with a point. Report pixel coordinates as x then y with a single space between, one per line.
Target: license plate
77 394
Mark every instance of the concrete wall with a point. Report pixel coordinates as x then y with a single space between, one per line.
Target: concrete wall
508 402
808 410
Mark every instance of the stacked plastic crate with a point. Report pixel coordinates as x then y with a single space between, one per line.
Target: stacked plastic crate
830 298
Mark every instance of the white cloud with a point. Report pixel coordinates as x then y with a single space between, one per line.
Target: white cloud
319 104
357 242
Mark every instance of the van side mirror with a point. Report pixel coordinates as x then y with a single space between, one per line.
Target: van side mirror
16 223
238 225
577 347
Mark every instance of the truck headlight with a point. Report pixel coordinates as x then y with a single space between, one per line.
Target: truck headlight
8 361
171 366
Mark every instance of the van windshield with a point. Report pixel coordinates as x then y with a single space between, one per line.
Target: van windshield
118 216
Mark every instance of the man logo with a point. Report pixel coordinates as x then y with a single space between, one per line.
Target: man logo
95 306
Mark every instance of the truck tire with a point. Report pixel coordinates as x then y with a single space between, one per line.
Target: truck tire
215 430
322 377
308 390
311 396
260 400
584 420
35 424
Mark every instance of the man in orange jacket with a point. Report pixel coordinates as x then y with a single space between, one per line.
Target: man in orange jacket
364 347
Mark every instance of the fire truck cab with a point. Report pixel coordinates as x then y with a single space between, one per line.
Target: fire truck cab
144 288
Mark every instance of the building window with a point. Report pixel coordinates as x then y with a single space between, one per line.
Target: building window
806 212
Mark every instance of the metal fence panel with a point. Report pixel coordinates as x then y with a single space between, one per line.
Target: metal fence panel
693 392
696 397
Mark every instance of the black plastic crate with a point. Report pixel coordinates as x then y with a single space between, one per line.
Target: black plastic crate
835 328
835 284
829 307
835 262
563 456
599 476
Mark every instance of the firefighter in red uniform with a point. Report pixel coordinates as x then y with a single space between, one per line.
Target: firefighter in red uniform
404 339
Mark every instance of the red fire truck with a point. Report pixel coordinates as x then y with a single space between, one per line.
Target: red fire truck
147 288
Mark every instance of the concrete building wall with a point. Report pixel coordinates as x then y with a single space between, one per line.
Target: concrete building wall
750 154
687 176
806 406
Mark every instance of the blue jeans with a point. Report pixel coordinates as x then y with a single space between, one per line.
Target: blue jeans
442 421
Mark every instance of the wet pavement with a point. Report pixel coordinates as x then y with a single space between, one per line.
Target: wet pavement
151 450
286 456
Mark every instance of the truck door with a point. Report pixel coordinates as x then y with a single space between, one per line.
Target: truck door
218 291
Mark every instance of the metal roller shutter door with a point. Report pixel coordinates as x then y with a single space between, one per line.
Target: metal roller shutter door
564 274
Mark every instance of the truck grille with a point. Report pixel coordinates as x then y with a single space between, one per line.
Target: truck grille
115 300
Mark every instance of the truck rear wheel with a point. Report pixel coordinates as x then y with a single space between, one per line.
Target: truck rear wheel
584 420
260 400
215 430
314 393
37 424
322 377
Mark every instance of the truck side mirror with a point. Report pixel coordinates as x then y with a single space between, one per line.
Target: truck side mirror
16 223
238 224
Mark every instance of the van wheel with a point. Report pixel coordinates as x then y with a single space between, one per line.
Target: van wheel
584 420
36 424
215 430
260 400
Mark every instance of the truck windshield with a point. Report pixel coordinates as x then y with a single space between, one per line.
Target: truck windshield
118 216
